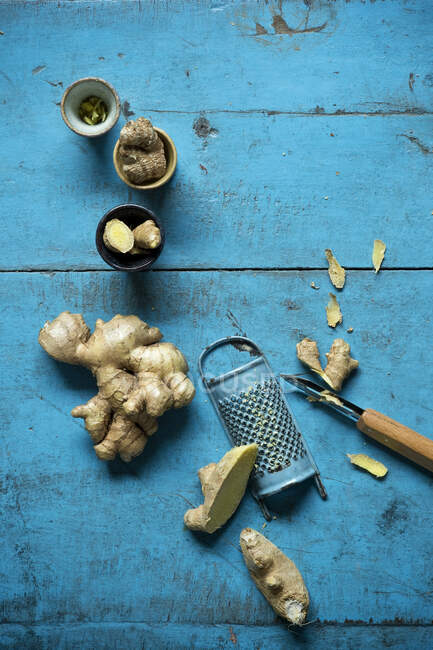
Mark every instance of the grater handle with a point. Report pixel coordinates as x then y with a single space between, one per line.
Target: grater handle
320 487
228 340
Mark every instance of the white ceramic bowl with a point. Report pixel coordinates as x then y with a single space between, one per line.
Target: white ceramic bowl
78 92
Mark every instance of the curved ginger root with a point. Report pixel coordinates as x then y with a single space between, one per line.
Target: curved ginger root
138 378
275 576
340 363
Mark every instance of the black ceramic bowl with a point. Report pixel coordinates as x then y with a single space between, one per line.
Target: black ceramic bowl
132 215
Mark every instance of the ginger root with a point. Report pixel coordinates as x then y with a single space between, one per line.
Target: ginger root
308 353
337 274
276 576
223 486
340 363
147 235
118 237
141 152
138 378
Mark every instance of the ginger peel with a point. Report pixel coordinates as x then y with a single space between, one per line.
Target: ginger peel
340 363
337 274
333 312
138 378
373 467
276 576
379 248
223 486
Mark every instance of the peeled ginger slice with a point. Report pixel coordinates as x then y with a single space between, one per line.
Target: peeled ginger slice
223 486
118 237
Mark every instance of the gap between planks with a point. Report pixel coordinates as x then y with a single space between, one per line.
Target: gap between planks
314 624
269 112
223 269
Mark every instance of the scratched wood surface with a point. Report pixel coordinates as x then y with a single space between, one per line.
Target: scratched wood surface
95 555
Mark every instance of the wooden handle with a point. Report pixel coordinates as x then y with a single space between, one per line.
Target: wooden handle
396 436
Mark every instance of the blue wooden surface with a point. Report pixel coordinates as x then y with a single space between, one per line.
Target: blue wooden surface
95 555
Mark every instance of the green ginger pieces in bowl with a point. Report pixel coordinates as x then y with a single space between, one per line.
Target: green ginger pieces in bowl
93 110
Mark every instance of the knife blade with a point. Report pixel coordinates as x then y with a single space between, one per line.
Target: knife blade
388 432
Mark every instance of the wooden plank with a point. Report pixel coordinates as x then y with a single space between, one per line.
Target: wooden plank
103 545
236 200
206 55
210 637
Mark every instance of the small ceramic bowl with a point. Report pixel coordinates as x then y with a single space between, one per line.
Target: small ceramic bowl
132 215
170 155
78 92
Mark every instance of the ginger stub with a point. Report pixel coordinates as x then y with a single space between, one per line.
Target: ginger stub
147 235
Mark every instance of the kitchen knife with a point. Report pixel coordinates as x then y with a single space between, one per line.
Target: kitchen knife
388 432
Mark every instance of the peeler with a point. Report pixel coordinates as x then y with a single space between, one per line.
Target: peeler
252 409
381 428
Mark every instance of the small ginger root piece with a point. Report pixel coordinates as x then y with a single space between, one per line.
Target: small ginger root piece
276 576
308 353
147 235
138 378
378 254
336 272
374 467
333 312
223 486
118 237
340 363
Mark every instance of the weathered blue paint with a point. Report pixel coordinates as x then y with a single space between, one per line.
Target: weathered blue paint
249 183
104 545
95 555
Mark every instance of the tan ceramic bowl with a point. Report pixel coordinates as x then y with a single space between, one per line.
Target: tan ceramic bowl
170 155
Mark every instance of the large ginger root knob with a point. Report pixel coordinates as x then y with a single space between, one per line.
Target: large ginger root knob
141 152
138 378
275 576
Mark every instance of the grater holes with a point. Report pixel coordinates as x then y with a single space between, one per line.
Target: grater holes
260 415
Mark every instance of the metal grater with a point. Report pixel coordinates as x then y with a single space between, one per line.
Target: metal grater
252 408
